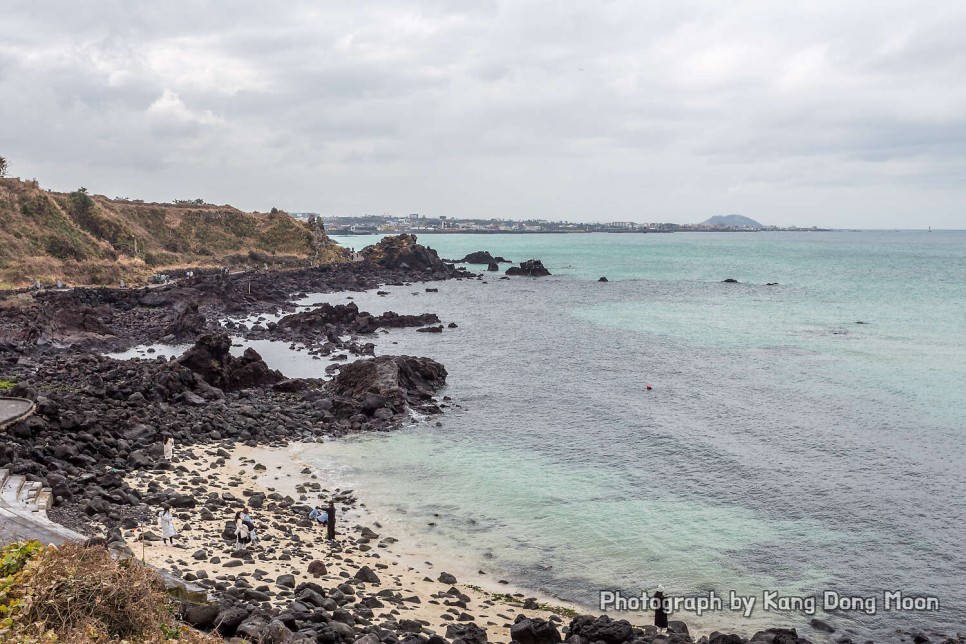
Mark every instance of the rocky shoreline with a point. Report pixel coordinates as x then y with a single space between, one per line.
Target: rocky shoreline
96 440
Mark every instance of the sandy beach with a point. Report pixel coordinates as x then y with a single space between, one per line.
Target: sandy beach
287 544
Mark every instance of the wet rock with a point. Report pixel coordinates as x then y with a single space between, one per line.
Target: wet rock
529 268
482 257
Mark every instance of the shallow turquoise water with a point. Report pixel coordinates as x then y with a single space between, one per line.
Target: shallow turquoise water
784 445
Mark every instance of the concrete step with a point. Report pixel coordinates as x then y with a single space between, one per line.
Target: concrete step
45 499
17 493
10 493
28 495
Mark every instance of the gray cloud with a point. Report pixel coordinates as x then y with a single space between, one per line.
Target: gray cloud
834 114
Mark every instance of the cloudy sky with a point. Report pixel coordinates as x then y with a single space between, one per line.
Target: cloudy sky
829 113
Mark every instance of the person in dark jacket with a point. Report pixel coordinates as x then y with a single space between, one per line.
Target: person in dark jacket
660 613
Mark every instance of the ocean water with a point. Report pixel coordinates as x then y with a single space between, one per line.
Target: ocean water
798 438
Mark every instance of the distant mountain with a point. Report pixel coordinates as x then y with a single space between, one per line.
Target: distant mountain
732 221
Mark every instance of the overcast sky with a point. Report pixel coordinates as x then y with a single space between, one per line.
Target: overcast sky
829 113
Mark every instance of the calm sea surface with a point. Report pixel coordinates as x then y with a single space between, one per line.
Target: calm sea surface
801 437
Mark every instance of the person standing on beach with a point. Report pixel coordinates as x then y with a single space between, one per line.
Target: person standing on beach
243 534
166 523
250 524
660 611
168 445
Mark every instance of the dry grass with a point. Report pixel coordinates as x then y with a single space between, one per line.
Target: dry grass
46 236
74 594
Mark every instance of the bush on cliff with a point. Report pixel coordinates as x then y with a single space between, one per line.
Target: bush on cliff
74 594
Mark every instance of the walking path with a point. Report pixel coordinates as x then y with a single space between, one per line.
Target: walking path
13 409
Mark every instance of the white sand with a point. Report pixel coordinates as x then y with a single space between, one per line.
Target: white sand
395 566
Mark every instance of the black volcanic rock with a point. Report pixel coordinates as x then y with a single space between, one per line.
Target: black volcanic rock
602 629
402 251
347 318
211 359
63 323
483 257
188 325
534 631
401 381
529 268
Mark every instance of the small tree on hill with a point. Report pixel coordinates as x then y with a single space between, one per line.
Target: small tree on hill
3 167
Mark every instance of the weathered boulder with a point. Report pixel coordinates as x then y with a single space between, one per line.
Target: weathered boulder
603 629
534 631
469 633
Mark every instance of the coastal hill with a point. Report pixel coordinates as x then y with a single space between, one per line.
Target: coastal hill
732 221
90 239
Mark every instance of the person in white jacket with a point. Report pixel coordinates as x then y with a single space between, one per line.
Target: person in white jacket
166 523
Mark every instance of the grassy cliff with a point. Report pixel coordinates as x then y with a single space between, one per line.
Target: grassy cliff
90 239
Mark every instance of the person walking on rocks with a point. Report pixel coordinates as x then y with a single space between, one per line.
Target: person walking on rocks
660 612
168 445
166 523
243 533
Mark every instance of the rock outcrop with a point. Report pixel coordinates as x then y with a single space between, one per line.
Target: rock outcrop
483 257
403 252
529 268
393 382
211 359
348 318
187 326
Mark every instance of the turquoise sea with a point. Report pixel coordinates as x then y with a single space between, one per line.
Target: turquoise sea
800 437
